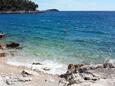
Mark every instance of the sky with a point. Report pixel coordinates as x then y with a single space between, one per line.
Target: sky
77 5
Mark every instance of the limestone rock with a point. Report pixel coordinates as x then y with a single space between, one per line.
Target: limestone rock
109 63
77 74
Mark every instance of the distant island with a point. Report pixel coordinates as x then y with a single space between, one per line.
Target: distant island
20 6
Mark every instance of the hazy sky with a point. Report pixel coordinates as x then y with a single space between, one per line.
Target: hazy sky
77 4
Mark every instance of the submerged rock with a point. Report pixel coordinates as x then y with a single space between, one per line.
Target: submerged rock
13 45
2 35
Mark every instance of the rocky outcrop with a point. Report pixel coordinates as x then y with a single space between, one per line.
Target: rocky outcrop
80 73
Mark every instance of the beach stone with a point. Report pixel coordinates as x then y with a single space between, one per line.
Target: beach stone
26 73
46 69
36 63
24 79
2 54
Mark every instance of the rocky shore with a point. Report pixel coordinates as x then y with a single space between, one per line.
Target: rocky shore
29 12
20 12
76 75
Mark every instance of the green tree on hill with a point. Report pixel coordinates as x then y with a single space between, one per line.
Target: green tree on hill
17 5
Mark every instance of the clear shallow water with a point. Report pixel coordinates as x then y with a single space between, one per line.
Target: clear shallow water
64 37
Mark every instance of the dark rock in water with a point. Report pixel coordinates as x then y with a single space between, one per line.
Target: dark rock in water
36 63
2 35
13 45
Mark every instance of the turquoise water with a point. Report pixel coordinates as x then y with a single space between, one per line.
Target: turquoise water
65 37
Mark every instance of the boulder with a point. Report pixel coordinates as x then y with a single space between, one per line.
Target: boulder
2 35
13 45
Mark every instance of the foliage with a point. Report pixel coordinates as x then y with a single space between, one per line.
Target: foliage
17 5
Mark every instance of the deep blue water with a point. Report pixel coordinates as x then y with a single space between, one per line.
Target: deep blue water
69 37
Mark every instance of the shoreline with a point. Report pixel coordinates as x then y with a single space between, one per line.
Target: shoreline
20 12
29 12
102 76
43 79
75 74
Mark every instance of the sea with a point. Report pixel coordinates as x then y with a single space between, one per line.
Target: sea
56 39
